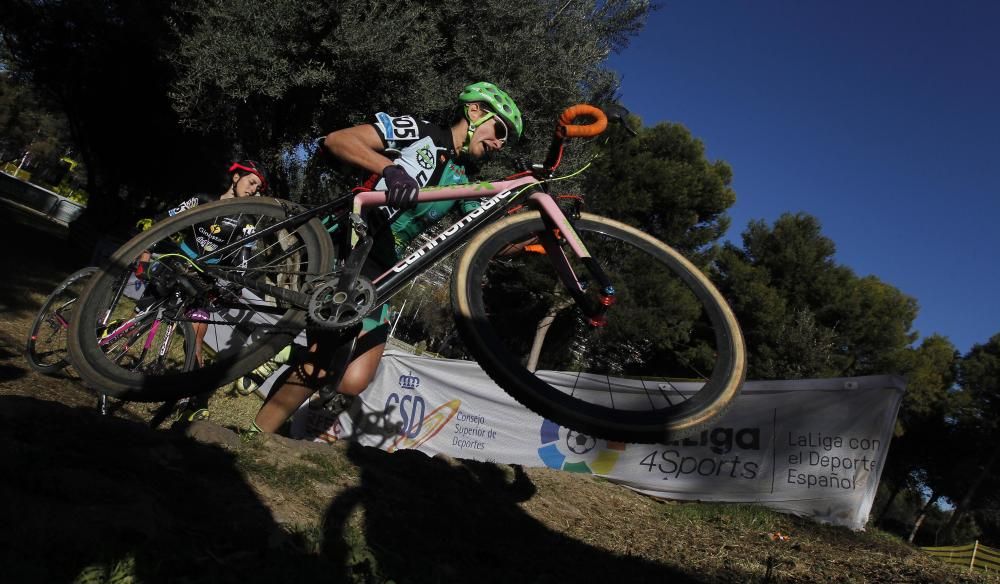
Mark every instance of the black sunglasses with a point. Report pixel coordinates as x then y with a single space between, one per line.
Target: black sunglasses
499 129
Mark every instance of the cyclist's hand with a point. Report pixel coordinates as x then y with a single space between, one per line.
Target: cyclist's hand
401 188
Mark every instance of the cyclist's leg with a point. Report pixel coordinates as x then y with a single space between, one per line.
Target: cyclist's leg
196 407
200 328
310 375
367 355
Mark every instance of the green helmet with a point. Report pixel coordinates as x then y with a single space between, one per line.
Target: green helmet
497 101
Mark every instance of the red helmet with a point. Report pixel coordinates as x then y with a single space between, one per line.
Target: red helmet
251 167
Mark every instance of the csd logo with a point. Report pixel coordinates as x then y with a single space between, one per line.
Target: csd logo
412 409
409 381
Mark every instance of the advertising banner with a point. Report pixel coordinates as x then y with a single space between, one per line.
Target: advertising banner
813 447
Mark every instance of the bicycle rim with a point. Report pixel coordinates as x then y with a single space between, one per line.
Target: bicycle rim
45 348
668 362
242 328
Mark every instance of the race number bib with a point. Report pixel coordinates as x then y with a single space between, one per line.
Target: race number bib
398 128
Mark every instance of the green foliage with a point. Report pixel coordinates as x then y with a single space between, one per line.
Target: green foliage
980 376
977 471
101 63
188 85
318 65
876 322
946 437
28 125
662 183
803 314
74 194
930 370
925 442
120 571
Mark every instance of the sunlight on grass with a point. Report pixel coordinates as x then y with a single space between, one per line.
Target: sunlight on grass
119 572
735 515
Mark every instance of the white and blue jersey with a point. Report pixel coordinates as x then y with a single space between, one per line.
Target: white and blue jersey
421 148
426 152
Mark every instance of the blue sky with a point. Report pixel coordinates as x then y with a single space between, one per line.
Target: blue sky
881 119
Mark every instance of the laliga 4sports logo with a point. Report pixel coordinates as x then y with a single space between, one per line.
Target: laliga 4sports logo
571 451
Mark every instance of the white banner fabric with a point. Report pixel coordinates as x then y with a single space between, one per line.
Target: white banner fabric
812 447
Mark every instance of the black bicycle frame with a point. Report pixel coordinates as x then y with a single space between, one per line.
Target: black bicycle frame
414 264
353 230
500 197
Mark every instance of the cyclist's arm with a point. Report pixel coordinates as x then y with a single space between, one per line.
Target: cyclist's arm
361 146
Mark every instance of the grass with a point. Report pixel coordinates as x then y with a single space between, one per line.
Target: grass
158 506
734 516
85 498
290 477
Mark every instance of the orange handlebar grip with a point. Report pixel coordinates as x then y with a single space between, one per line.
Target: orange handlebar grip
594 128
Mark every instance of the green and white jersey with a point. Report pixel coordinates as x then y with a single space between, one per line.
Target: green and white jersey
427 152
423 149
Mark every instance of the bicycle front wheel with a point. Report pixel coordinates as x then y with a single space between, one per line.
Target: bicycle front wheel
669 360
45 348
239 328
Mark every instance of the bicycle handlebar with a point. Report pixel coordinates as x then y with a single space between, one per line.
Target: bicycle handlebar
567 129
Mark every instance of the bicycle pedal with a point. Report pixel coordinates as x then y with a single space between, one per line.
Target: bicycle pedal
338 404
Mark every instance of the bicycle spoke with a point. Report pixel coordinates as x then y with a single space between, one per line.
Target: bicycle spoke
640 352
46 349
191 292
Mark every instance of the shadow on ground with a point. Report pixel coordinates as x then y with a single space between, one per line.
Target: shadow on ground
431 520
80 491
35 264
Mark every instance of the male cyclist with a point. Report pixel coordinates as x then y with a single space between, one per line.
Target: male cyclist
404 154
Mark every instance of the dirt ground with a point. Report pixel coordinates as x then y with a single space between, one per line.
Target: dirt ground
88 498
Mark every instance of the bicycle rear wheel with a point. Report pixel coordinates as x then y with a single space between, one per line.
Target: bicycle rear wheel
45 348
669 361
243 329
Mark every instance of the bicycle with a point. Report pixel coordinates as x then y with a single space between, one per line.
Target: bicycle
45 348
585 320
46 345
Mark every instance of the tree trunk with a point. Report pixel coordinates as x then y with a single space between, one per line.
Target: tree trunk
543 327
922 515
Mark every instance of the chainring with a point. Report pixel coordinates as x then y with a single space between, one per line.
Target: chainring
332 310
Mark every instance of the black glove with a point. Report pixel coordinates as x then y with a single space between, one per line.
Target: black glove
401 188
